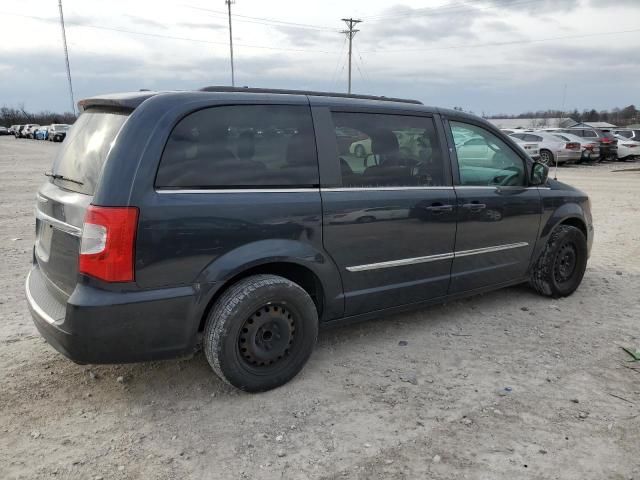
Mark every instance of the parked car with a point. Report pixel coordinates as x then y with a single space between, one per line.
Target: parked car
41 133
608 143
531 148
18 133
590 149
4 131
628 133
197 236
58 131
552 149
12 129
627 149
29 130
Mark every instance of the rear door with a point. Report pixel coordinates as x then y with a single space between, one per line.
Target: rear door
63 199
498 215
388 218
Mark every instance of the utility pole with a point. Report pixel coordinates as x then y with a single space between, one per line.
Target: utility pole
66 57
233 77
350 34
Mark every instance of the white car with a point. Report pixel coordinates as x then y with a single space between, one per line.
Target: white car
628 133
552 148
530 148
590 149
627 149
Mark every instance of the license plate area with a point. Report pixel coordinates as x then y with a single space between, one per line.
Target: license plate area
44 235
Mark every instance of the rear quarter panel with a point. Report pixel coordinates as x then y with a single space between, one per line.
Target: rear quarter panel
204 239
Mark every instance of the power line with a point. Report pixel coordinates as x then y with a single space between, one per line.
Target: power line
449 9
171 37
264 21
339 62
500 44
66 57
350 34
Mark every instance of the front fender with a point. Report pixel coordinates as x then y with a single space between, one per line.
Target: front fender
233 263
553 216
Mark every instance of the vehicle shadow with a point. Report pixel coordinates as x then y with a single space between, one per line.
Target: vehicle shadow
171 381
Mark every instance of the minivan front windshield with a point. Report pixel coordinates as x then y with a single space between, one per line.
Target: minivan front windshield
84 150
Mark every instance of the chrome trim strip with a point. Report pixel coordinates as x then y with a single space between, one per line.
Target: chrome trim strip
434 258
166 191
380 189
462 187
32 303
497 248
59 224
400 263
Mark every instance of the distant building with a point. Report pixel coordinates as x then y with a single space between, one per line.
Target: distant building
532 122
595 125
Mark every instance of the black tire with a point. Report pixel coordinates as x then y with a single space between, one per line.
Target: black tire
546 157
260 332
562 264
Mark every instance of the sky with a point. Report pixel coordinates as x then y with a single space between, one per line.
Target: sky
486 56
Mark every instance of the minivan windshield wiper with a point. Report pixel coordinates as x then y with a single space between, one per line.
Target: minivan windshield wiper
55 176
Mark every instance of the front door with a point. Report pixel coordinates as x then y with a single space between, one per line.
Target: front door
498 214
390 221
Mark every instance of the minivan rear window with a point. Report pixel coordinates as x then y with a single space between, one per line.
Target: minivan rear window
84 150
241 146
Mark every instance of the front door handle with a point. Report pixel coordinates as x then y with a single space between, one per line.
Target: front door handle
474 206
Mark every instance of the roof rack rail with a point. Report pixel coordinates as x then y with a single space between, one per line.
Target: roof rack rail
220 88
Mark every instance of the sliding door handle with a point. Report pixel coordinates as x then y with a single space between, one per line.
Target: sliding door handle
438 208
474 206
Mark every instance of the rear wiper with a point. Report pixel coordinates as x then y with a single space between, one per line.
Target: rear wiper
55 176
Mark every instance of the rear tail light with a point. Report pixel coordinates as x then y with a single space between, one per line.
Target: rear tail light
591 146
107 248
572 146
629 145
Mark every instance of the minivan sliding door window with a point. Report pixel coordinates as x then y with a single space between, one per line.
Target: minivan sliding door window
243 146
382 150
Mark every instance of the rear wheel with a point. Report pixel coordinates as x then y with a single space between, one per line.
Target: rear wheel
260 332
546 157
561 266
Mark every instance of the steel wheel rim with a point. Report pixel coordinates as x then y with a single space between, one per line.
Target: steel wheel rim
566 263
545 158
266 337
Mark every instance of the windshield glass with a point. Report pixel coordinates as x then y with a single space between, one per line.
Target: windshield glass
85 149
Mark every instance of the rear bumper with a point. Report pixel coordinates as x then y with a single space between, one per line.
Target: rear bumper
97 326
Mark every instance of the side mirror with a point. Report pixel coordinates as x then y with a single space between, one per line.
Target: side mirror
539 174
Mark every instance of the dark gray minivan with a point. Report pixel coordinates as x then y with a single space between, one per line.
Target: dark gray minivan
243 219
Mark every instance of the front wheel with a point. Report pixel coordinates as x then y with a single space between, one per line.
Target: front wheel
560 268
260 332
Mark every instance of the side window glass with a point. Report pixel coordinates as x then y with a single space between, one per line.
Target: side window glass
487 161
589 133
241 146
379 150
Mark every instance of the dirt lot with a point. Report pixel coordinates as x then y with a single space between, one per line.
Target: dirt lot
507 385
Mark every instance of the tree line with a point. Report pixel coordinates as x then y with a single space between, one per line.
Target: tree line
19 116
617 116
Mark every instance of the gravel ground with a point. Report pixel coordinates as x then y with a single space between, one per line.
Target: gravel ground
500 386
